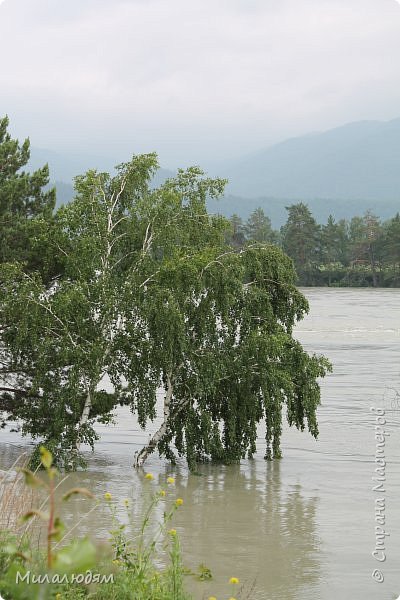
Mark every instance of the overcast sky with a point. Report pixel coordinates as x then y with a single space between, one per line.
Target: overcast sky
195 80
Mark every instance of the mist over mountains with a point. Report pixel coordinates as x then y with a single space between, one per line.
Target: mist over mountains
343 171
360 160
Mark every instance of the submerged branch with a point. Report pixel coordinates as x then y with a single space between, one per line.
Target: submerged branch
142 455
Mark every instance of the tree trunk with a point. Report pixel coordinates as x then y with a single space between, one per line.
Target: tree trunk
84 416
373 269
141 456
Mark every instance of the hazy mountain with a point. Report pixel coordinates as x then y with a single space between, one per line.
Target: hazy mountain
65 191
344 172
356 161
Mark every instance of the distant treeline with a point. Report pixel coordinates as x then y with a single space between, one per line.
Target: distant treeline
362 251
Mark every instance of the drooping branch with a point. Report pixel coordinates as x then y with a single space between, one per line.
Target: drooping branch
9 397
142 455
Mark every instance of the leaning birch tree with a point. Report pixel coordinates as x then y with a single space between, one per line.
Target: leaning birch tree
147 296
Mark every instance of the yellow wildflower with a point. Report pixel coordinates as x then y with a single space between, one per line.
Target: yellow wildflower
58 596
162 493
107 496
212 598
234 580
149 476
179 501
232 598
170 480
126 502
172 532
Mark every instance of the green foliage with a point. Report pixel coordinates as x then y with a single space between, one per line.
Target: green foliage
258 228
301 241
233 352
137 557
22 199
149 295
391 242
236 235
334 242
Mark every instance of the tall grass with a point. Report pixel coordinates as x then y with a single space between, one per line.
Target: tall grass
15 497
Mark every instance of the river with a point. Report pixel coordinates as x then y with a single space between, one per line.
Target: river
302 527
